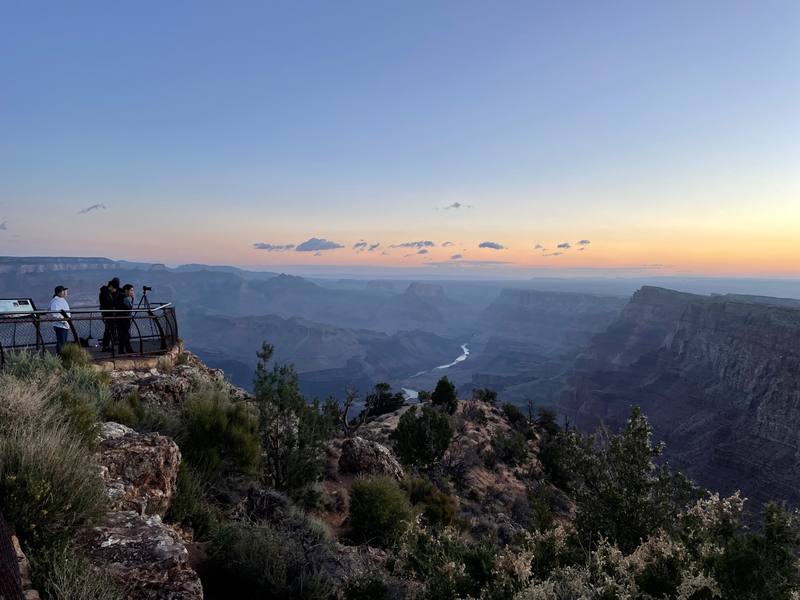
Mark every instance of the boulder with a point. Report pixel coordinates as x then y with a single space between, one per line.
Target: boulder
139 470
365 457
145 557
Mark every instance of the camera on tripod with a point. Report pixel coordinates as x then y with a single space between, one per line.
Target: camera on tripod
144 301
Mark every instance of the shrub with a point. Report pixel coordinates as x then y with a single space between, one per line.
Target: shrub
366 587
190 505
510 448
218 434
444 396
63 574
48 477
382 401
292 432
421 439
485 395
72 355
257 560
379 511
438 507
132 412
48 483
29 366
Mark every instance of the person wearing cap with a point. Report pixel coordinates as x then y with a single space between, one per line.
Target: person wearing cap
59 307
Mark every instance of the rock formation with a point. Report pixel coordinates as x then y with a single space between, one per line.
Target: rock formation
365 457
144 556
716 375
139 470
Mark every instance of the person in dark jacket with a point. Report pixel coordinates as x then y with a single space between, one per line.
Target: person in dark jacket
108 299
124 305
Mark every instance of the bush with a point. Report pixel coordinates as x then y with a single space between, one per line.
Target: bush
421 440
49 483
366 587
438 507
510 448
257 560
292 432
48 478
382 401
444 396
132 412
219 434
29 366
485 395
72 355
379 511
190 505
63 574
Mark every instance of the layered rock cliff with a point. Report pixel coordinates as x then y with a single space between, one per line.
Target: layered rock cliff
719 377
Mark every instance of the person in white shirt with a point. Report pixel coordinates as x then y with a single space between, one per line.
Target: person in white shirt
60 326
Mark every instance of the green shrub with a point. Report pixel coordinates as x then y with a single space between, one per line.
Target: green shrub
63 574
485 395
49 483
292 432
72 355
366 587
382 401
379 511
257 560
132 412
219 434
444 396
421 439
48 478
438 508
30 366
510 448
190 505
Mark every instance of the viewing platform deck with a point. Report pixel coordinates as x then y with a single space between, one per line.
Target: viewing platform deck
153 330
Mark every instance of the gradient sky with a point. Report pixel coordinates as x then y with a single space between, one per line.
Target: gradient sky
667 134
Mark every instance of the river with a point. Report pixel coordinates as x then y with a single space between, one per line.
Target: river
414 394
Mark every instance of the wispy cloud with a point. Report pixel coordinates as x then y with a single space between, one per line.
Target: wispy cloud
538 247
91 208
272 247
491 245
447 244
457 257
565 245
317 245
422 251
420 244
3 225
360 245
584 242
552 254
456 206
373 247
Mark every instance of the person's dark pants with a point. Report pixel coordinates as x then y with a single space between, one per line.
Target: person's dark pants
124 336
62 337
109 334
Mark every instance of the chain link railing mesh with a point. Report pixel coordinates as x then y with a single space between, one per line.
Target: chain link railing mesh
151 331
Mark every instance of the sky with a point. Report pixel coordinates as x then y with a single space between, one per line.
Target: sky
454 137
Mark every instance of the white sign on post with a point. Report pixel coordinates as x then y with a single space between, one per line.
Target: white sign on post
20 305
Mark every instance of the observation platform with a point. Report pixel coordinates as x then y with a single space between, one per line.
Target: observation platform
153 330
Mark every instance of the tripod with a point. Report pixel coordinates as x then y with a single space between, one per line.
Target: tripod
144 301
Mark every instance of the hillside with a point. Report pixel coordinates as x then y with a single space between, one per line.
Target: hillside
718 377
173 484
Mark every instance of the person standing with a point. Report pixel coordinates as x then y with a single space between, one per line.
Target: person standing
58 308
124 317
108 299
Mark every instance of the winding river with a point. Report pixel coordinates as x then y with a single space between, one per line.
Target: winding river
414 394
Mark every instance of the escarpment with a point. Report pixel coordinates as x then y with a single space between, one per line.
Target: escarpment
719 378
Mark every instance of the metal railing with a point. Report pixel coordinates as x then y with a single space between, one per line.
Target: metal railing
152 329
